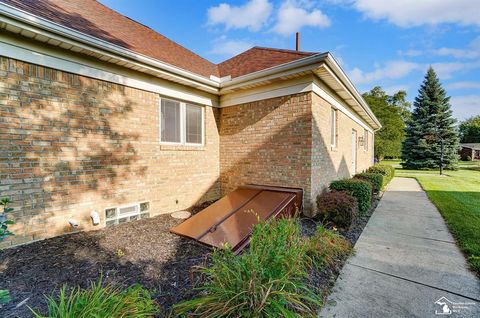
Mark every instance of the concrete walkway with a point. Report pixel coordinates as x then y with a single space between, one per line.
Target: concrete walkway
406 260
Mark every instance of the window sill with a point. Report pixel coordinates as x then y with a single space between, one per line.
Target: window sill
183 147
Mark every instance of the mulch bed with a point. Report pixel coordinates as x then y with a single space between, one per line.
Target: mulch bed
141 252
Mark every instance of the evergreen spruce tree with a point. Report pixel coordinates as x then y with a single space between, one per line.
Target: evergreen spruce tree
431 123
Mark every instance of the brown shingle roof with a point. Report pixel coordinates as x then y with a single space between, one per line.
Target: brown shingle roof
92 18
258 58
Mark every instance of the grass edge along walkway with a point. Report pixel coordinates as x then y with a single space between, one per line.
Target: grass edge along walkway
457 196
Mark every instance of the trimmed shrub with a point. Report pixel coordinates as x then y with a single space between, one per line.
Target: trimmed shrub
267 280
326 246
386 170
360 189
337 207
375 179
101 302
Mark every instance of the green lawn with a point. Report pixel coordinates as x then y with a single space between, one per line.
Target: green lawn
457 197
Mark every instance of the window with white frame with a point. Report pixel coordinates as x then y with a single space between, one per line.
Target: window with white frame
365 140
181 123
334 128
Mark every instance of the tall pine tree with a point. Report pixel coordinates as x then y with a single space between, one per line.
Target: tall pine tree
431 124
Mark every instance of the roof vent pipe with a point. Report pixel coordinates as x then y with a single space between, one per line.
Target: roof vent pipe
297 41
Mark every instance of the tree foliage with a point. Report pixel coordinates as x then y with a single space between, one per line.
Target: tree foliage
431 125
392 112
470 130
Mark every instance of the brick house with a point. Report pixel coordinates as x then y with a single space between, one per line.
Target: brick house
469 151
100 113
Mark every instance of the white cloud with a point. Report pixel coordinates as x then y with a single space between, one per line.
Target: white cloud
410 53
390 90
409 13
391 70
471 52
447 70
465 106
252 15
228 48
400 68
464 85
294 15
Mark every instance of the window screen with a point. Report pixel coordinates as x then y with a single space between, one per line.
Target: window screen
170 121
334 127
365 140
193 124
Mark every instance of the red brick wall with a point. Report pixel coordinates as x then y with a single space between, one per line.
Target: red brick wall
285 141
329 163
71 144
267 142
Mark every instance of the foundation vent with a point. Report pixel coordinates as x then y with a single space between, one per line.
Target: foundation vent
127 213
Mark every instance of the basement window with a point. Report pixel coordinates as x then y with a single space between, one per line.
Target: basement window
127 213
181 123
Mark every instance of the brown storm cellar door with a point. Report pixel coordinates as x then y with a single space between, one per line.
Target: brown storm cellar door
230 219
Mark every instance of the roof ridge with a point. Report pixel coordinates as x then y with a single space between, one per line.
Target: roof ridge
285 50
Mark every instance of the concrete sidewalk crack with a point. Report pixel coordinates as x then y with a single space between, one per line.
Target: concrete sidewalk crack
425 238
415 282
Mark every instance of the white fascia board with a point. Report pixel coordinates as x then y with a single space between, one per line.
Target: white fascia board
70 66
319 89
226 101
65 32
332 63
307 63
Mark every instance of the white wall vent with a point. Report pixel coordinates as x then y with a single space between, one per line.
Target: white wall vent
127 213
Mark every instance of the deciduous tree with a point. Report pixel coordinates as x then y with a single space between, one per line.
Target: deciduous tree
391 111
470 130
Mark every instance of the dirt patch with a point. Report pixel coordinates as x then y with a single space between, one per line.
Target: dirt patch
141 252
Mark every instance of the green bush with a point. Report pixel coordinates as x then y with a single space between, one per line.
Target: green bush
375 179
360 189
326 246
337 207
267 280
387 171
101 302
4 222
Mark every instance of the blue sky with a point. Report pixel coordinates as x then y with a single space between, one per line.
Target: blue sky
377 42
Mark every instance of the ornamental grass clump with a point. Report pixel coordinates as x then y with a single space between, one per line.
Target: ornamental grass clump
101 302
326 246
267 280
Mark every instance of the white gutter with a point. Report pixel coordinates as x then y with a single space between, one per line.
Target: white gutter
343 77
216 84
306 61
66 32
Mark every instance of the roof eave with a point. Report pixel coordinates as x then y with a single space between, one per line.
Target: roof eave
314 63
333 64
34 24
